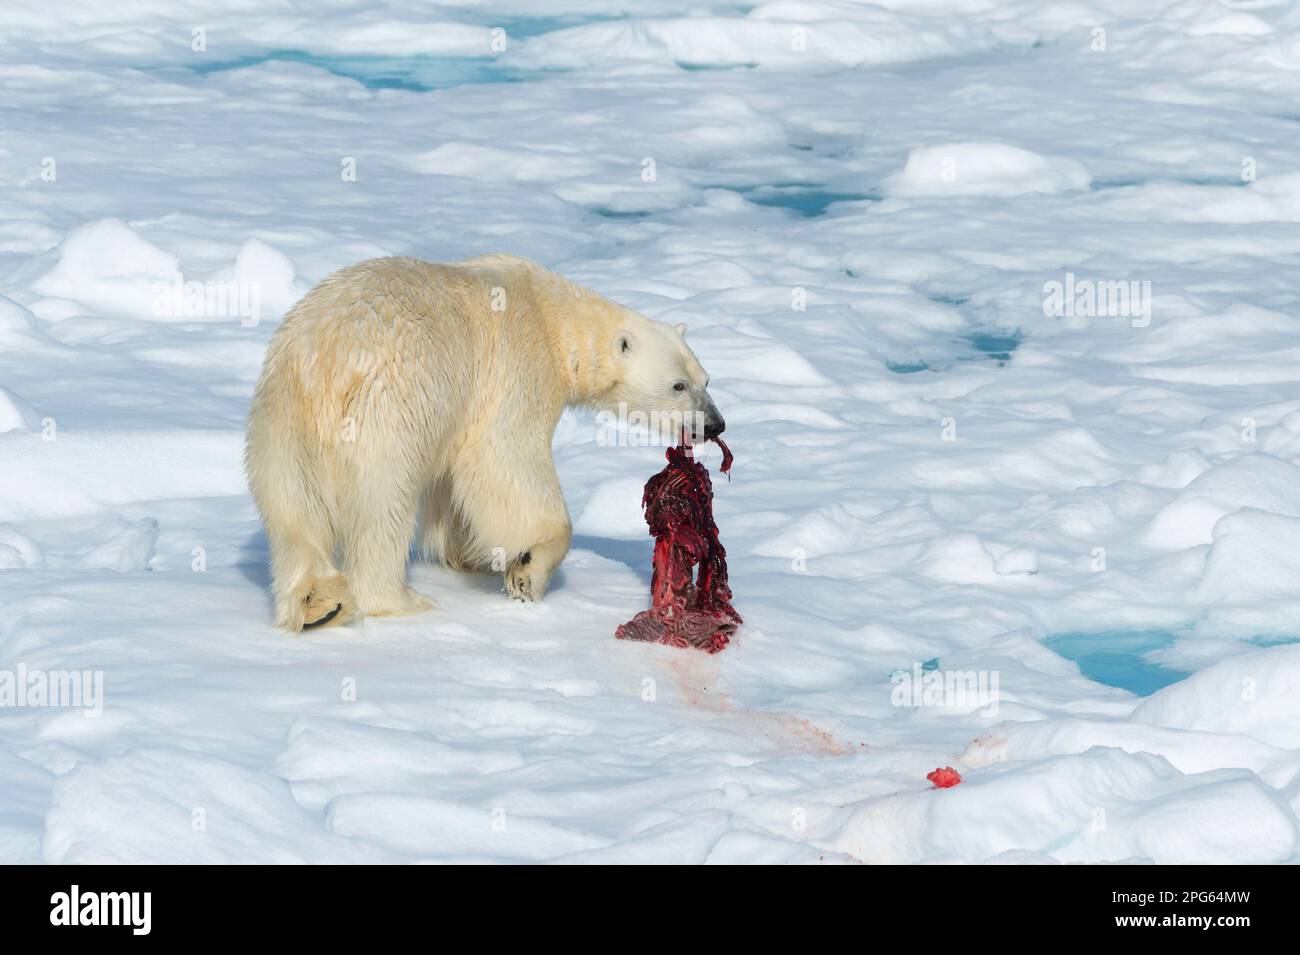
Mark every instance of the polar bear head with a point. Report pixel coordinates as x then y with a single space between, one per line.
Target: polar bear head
661 384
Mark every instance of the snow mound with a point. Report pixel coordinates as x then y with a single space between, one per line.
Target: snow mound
1259 481
1017 561
1253 694
1275 198
1098 806
109 266
199 809
1189 752
442 829
766 360
17 551
830 529
272 273
960 559
1229 818
966 559
130 547
788 36
16 414
1234 24
614 510
985 169
85 472
17 324
327 758
492 163
1253 559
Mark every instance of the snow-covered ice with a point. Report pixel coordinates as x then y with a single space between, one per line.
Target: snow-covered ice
869 215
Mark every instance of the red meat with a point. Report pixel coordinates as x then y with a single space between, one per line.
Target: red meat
944 778
688 609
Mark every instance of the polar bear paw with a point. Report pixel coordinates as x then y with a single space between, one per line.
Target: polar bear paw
523 580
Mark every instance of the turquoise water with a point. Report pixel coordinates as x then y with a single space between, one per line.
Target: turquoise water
907 367
615 214
422 73
415 73
1099 184
704 67
1118 658
996 344
1272 641
989 345
927 666
419 73
806 200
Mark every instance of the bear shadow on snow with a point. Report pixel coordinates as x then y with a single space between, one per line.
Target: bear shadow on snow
255 560
634 554
484 581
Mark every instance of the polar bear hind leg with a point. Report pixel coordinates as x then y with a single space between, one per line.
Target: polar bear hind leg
376 523
297 512
309 590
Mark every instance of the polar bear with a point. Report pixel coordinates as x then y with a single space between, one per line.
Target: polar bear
401 398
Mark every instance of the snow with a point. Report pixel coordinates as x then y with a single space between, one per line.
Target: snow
17 325
984 169
15 413
859 211
108 266
1246 694
1139 807
17 550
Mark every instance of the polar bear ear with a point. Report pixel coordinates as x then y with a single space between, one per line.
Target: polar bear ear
681 329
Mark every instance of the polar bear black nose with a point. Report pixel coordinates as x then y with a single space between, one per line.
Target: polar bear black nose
714 426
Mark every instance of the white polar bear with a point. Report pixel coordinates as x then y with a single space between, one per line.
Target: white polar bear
398 389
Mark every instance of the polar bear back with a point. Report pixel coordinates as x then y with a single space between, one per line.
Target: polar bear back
440 349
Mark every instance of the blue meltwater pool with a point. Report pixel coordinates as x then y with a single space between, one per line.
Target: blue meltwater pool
1119 658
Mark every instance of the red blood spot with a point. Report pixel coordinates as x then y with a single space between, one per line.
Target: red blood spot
944 778
687 609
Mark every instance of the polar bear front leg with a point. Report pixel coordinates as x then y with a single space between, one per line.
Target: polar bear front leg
515 509
549 531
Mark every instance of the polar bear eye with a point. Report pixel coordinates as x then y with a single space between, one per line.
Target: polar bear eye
680 386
